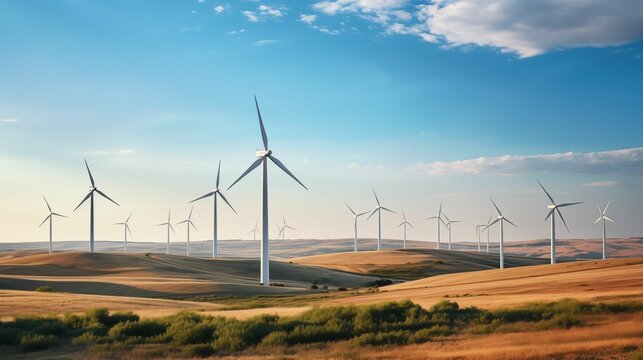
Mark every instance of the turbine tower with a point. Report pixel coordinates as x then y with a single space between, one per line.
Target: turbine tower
263 156
502 220
553 208
50 217
603 217
487 230
214 193
355 217
448 226
189 222
438 217
169 227
126 230
404 224
254 232
90 196
283 229
378 210
478 231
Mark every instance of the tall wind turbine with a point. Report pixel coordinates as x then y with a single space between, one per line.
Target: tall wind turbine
448 226
90 196
553 208
486 228
283 229
189 222
603 217
404 224
214 193
50 217
502 220
378 210
355 217
126 229
254 232
169 227
263 156
478 231
439 220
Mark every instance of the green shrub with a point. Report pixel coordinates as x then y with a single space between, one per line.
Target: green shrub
197 350
45 288
342 288
36 342
97 315
275 338
143 329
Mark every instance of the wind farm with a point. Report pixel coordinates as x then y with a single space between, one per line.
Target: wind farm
388 132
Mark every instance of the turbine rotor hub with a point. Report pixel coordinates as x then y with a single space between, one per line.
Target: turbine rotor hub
263 153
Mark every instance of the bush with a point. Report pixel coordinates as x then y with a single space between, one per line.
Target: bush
277 284
275 338
45 288
143 329
98 316
381 282
342 288
35 342
314 287
197 350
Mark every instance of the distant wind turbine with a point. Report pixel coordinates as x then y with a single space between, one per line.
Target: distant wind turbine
355 217
90 196
487 230
603 217
50 217
404 224
214 193
254 232
448 225
378 210
439 220
553 208
126 229
502 220
283 229
189 222
169 227
263 156
478 231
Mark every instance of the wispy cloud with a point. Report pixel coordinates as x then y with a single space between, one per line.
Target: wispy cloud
121 152
196 28
8 120
310 21
601 184
625 162
263 12
235 32
266 42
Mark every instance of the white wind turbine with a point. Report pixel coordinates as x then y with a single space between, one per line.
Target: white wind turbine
126 229
214 193
603 217
502 220
355 217
263 156
378 210
448 225
189 222
404 224
553 208
50 217
254 232
280 231
90 196
439 220
169 227
283 228
478 231
487 230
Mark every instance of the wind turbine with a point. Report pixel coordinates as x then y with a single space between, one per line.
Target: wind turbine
283 229
378 210
126 230
439 219
553 207
189 222
602 217
214 193
263 156
404 223
502 220
50 217
90 196
254 232
478 231
487 230
355 217
448 225
169 227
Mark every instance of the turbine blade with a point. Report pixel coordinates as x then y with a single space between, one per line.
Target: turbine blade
496 206
411 225
606 206
203 197
373 213
490 225
252 167
440 211
283 167
128 229
163 224
85 199
608 219
48 207
490 217
190 215
389 210
399 225
562 218
226 201
181 222
376 199
600 212
509 221
47 218
57 214
194 226
364 213
172 228
569 204
431 218
290 227
218 174
130 215
119 223
549 214
91 178
351 210
403 215
106 197
546 193
263 130
446 217
597 220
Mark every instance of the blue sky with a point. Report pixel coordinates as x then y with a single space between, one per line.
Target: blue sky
392 94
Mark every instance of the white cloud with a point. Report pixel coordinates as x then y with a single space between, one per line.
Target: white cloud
625 162
267 10
197 28
235 32
114 152
332 7
601 184
8 120
263 12
308 19
219 9
251 15
265 42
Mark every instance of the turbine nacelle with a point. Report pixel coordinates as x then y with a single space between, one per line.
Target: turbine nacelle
551 206
263 153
